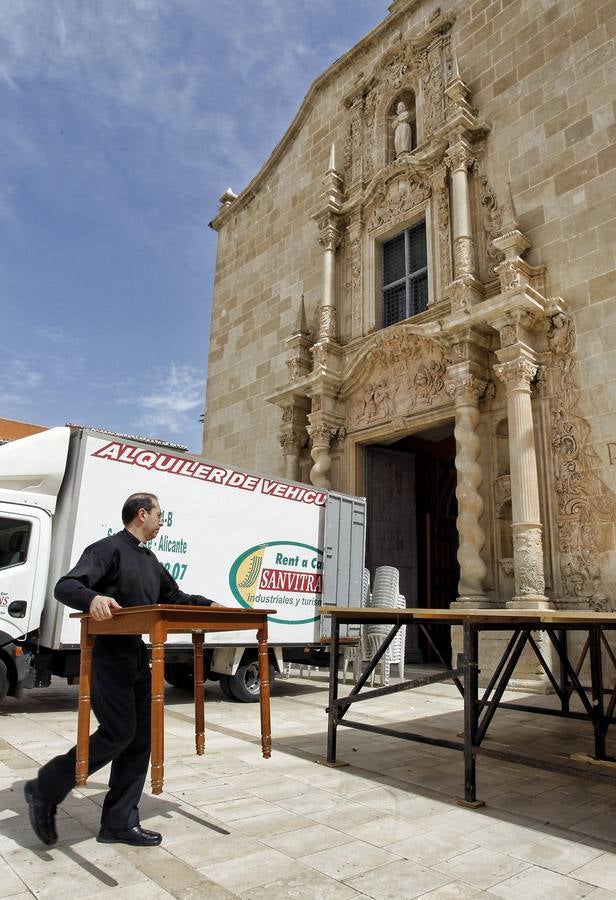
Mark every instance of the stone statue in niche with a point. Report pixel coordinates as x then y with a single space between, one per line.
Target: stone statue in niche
403 133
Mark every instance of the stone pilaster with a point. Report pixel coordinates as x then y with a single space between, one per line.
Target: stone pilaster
460 159
466 389
517 373
330 236
465 289
291 448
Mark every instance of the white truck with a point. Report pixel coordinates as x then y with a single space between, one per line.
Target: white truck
241 539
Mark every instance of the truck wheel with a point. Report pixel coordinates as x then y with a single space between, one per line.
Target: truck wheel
179 675
245 684
225 687
4 681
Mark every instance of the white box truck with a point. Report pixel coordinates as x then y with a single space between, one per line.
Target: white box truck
241 539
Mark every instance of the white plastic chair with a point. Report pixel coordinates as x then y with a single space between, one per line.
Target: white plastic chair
385 594
353 655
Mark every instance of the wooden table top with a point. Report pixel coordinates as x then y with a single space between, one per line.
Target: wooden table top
385 615
177 618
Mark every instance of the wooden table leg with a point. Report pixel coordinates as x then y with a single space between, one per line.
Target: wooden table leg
266 728
83 716
157 638
197 639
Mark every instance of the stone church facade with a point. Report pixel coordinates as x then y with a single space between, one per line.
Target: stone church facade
425 271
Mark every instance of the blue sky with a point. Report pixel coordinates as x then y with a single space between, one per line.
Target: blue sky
121 124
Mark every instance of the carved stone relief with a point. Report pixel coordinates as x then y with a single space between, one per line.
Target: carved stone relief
443 219
404 373
492 226
397 198
431 69
585 504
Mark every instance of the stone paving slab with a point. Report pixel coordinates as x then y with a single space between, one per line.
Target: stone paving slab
386 827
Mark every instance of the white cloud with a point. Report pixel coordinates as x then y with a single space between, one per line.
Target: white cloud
174 402
137 57
18 384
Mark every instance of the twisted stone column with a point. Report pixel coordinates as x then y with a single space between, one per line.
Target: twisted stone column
517 375
466 390
321 442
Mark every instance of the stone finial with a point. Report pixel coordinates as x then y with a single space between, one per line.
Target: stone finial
332 159
301 325
228 197
510 219
454 74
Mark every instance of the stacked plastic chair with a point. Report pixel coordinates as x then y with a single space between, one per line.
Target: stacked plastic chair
354 654
385 594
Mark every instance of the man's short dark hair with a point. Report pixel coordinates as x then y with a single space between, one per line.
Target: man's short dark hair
136 502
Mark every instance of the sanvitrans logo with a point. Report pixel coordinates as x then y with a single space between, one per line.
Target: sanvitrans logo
284 575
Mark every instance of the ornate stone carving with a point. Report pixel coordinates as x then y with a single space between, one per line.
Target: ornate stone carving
319 355
586 506
466 390
462 291
561 337
396 199
528 556
442 211
431 69
517 374
287 413
397 67
502 491
492 224
459 157
348 154
354 143
510 273
328 322
405 373
289 442
369 119
464 255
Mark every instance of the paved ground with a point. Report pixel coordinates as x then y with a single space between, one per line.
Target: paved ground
386 827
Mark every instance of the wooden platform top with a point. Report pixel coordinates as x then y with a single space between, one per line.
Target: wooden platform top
479 616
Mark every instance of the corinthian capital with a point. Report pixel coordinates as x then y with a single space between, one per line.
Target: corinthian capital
517 374
459 157
321 434
290 443
466 390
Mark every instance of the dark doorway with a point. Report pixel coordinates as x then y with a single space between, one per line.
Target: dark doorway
410 489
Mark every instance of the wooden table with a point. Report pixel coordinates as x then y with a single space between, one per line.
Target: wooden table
479 710
158 621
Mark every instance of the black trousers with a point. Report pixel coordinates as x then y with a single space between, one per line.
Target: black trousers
121 702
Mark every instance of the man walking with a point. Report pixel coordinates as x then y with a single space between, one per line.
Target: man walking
115 572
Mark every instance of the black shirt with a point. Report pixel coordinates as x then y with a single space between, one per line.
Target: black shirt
120 567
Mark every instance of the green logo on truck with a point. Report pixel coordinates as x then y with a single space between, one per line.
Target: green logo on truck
284 575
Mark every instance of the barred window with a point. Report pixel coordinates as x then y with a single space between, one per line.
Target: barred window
405 275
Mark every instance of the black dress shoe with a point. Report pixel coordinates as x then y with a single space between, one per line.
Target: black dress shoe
137 836
42 814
